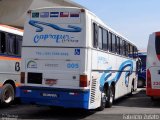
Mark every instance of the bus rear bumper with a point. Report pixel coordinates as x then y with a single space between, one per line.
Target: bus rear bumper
153 92
66 98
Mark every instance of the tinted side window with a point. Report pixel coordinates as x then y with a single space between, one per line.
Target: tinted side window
130 50
105 39
11 44
121 47
113 43
100 37
110 42
135 52
126 49
18 45
118 45
95 35
2 42
157 45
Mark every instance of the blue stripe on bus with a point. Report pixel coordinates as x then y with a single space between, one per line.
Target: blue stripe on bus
17 92
105 76
39 26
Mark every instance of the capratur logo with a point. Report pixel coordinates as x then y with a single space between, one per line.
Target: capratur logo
39 27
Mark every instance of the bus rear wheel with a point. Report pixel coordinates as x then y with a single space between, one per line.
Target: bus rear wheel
103 102
7 94
110 96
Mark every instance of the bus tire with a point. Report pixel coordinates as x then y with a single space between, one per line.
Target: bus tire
103 102
110 96
7 94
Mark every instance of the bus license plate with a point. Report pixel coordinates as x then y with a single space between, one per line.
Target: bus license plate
49 95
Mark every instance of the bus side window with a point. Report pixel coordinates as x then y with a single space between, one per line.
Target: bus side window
114 43
100 37
110 42
18 45
124 48
121 47
95 35
135 52
118 45
105 40
2 42
127 44
11 44
131 51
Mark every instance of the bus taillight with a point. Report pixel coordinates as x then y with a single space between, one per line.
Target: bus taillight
83 81
22 77
148 79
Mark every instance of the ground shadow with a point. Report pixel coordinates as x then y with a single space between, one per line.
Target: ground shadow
139 99
59 114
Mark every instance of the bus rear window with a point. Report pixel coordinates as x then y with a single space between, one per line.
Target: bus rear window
157 45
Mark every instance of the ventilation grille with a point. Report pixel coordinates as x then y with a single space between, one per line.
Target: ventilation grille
93 91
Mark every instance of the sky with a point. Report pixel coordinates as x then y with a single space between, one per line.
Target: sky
134 19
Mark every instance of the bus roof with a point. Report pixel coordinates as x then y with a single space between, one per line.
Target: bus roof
10 29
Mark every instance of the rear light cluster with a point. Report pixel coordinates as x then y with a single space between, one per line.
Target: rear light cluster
148 79
83 81
27 91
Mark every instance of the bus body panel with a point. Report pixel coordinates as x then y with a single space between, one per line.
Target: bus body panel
153 66
58 53
63 65
10 61
155 77
50 30
110 68
9 73
69 72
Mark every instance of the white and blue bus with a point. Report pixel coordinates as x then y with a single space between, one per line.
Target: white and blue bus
70 58
10 57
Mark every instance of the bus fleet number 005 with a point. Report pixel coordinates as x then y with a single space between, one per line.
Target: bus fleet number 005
72 65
